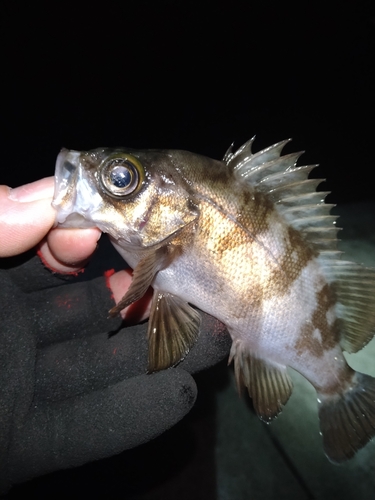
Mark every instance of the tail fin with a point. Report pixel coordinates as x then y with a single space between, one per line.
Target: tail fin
347 421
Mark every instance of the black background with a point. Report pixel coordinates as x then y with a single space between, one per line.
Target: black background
190 76
167 74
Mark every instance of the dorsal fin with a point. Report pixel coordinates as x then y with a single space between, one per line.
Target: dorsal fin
288 186
244 160
304 209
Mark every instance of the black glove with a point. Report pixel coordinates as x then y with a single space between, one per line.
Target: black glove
73 385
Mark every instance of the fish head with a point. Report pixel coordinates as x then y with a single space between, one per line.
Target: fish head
138 197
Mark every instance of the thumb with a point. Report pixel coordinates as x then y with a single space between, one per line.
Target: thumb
26 215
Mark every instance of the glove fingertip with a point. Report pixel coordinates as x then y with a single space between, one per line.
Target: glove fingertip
184 387
212 347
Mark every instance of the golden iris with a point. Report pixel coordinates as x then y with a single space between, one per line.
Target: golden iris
122 174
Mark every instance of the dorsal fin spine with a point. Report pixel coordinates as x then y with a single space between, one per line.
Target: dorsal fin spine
295 198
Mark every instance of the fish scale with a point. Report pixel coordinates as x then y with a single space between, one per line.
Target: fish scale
249 241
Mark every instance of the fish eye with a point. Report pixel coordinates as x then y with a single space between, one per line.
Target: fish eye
121 175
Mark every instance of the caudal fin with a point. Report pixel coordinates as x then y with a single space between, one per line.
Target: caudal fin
347 421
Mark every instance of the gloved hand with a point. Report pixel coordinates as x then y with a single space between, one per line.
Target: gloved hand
73 384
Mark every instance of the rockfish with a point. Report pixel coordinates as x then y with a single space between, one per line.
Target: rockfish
249 241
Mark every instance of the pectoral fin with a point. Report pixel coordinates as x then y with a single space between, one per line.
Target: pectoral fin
173 328
268 383
143 276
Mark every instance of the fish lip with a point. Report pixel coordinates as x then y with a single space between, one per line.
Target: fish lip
67 198
67 163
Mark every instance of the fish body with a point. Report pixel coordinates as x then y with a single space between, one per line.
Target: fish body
249 241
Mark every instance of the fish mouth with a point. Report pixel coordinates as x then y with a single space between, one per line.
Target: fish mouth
67 163
74 194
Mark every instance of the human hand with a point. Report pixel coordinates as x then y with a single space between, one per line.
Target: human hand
72 391
27 219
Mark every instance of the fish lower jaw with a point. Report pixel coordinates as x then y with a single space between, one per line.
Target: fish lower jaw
73 220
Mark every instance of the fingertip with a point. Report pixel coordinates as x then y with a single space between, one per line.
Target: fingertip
173 389
213 345
119 284
187 392
68 250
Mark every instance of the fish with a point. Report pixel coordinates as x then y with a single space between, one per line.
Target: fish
250 241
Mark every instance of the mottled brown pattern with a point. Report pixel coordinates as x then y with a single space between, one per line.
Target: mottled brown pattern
345 380
290 268
306 341
297 254
342 381
224 243
246 198
262 207
248 219
183 239
330 334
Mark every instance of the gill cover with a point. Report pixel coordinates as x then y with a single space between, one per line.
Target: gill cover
147 191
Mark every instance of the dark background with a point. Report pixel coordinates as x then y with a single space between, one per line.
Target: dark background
164 74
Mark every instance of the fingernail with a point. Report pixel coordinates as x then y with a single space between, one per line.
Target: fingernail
34 191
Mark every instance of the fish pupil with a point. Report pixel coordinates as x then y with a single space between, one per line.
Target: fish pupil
120 176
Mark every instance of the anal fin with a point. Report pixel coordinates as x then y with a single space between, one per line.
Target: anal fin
268 383
173 328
